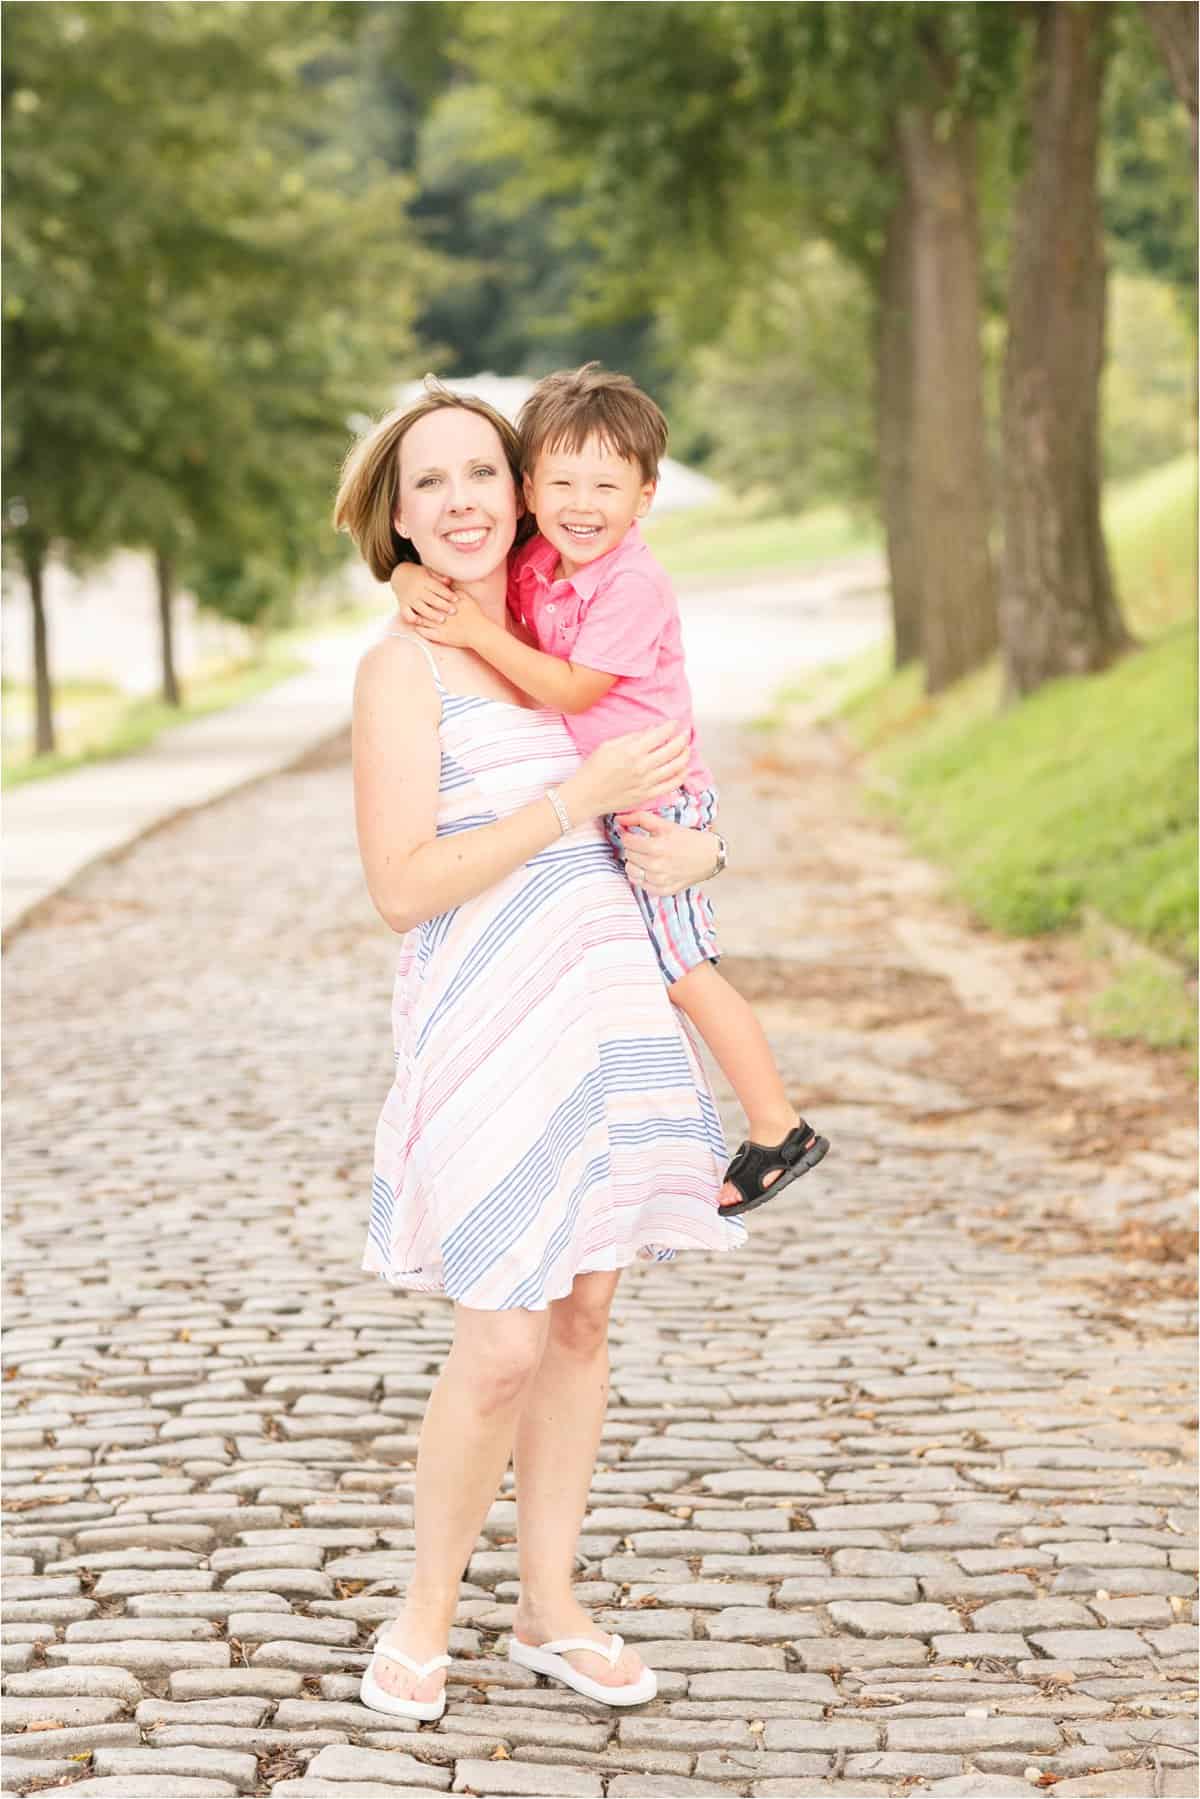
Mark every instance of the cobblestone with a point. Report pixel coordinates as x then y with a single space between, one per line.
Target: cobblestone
842 1465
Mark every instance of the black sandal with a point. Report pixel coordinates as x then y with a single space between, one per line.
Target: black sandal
800 1150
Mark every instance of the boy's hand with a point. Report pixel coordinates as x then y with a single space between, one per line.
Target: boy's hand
422 597
459 630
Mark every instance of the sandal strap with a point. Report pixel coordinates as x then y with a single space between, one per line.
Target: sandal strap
420 1669
566 1644
754 1161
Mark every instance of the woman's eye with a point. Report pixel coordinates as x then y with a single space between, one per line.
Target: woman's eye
427 481
485 470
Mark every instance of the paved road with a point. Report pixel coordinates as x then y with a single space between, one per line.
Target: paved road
892 1503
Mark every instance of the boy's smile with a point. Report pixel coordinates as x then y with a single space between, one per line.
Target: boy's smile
585 500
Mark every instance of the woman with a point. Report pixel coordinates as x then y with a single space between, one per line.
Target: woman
549 1121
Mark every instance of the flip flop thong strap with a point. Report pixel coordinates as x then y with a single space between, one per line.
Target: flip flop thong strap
420 1669
610 1652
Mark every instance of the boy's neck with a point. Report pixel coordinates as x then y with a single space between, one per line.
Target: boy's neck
566 571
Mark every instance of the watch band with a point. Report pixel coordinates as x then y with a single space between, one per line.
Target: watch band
722 856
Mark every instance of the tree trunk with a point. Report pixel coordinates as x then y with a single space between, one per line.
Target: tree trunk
1175 28
165 571
1058 613
951 505
893 427
35 569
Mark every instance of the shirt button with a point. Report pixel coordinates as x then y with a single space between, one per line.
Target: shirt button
549 609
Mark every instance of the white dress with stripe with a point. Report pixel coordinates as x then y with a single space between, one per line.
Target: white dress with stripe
549 1115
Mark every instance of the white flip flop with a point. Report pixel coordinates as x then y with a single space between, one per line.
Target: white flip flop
378 1699
551 1660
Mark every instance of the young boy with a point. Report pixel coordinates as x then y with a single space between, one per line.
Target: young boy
601 611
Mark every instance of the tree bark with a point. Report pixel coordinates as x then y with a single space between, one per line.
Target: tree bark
893 427
34 557
164 569
1058 612
1175 28
951 498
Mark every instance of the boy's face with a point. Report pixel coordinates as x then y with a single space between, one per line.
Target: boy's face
585 500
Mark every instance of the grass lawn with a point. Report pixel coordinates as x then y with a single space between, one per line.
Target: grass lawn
723 540
96 722
1079 803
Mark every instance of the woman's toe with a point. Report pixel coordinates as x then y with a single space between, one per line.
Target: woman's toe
622 1673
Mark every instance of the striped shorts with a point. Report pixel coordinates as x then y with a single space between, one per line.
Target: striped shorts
681 926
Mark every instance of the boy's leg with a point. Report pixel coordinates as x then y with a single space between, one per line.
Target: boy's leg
728 1025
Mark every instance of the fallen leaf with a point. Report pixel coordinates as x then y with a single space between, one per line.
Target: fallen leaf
500 1754
46 1724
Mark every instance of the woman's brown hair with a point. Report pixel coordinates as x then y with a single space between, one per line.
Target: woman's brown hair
369 488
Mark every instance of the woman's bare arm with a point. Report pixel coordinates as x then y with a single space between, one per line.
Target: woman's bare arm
412 874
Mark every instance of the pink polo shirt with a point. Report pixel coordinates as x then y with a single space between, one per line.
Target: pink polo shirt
619 616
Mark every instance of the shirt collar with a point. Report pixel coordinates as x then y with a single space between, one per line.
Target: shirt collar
587 579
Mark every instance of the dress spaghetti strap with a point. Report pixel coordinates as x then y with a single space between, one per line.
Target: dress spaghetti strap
425 651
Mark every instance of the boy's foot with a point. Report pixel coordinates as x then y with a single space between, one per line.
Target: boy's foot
758 1171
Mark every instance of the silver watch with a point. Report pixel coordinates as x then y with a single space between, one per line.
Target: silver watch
722 855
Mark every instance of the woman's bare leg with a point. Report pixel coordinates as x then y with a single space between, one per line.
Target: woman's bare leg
557 1437
466 1439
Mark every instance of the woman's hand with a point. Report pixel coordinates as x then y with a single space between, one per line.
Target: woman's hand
422 597
628 772
663 858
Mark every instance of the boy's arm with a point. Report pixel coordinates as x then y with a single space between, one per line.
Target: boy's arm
563 686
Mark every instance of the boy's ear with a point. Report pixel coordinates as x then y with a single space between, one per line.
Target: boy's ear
527 493
646 498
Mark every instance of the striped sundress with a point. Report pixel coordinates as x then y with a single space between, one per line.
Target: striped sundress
549 1115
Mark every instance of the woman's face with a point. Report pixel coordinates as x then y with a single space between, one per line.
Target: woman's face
458 503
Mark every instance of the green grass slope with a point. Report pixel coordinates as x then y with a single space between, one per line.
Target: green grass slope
1082 797
1079 804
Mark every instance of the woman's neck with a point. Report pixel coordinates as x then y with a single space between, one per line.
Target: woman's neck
490 595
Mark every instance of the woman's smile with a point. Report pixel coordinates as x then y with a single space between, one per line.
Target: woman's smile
467 537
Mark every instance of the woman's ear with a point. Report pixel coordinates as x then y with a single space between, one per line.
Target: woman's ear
398 523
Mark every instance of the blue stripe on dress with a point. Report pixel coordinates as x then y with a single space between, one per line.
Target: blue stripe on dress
549 876
496 1222
597 1172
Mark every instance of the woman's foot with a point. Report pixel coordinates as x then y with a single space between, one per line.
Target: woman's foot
420 1643
552 1624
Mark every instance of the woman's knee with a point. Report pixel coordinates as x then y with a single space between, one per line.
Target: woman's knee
579 1323
498 1353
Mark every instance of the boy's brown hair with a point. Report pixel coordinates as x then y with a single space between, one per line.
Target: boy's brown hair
568 407
369 487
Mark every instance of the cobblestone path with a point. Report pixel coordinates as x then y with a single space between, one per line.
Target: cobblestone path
896 1499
